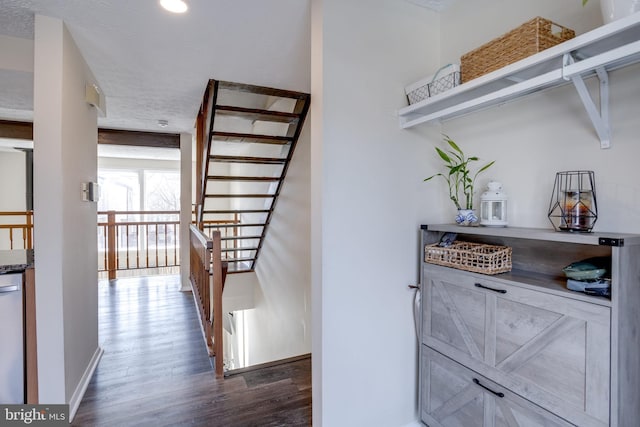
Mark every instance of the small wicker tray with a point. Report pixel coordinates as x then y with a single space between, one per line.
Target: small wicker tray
531 37
476 257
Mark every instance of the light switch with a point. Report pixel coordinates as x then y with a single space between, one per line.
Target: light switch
90 191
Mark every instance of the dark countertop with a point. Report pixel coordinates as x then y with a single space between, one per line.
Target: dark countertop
15 261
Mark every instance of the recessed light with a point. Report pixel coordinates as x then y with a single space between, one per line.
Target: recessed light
174 6
163 123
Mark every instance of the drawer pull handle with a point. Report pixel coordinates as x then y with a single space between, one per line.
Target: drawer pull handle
501 291
497 393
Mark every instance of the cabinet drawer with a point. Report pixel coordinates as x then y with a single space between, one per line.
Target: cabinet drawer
454 396
551 350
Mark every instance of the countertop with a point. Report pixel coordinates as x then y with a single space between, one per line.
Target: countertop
15 261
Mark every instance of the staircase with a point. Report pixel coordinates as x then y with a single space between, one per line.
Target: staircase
246 136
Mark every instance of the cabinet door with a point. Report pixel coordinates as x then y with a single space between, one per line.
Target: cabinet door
552 350
454 396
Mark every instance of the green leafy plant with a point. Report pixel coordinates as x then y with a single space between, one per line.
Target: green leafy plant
584 2
460 179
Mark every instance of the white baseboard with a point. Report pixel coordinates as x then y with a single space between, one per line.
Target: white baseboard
76 398
415 423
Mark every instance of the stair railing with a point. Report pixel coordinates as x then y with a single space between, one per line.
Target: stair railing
130 240
207 275
16 227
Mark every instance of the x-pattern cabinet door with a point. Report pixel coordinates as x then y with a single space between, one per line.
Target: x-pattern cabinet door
454 396
550 349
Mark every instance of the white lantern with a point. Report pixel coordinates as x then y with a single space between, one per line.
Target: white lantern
493 206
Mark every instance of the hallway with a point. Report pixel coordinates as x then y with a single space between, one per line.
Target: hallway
155 370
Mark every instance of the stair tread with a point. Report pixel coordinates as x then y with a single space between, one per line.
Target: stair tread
250 137
223 196
253 248
242 178
248 159
241 237
260 224
238 259
232 211
256 114
241 270
261 90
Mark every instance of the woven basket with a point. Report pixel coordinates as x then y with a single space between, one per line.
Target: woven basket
531 37
476 257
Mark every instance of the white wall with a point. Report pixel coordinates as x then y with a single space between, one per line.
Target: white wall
367 204
468 24
65 141
280 324
533 138
239 292
17 54
125 163
13 189
186 140
316 128
13 185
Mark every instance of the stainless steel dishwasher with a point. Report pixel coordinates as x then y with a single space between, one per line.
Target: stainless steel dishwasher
11 339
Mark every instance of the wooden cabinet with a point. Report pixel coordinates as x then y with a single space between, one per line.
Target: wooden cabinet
537 344
550 352
31 348
457 396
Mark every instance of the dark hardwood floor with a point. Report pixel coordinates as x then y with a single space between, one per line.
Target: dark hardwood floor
155 370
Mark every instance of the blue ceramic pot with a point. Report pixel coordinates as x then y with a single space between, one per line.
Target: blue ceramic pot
466 217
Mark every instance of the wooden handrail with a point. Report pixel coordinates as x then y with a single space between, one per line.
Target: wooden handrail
207 275
141 223
15 213
140 212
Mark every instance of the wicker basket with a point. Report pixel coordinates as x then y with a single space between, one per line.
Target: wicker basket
531 37
476 257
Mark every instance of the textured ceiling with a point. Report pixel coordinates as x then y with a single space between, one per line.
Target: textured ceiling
437 5
153 65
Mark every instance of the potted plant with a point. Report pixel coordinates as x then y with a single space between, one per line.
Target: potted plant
460 180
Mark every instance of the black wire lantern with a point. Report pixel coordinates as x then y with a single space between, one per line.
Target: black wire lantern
573 204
